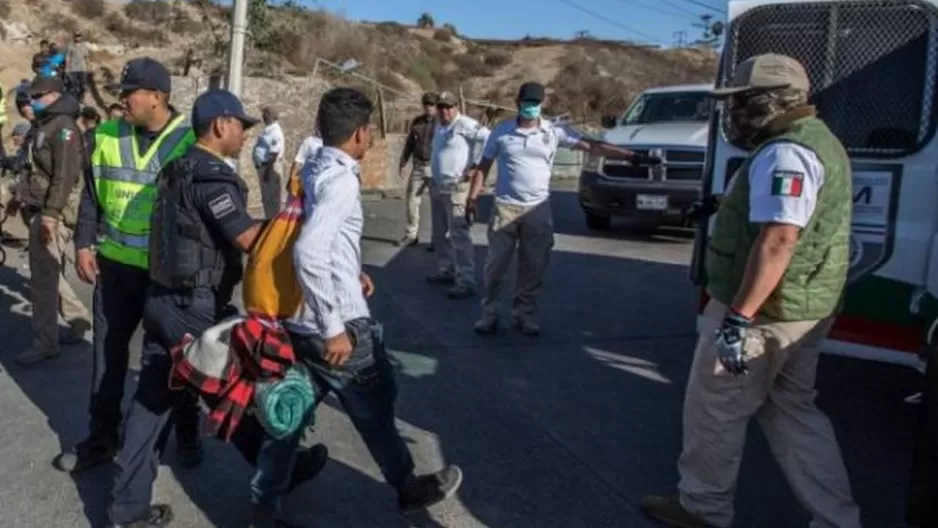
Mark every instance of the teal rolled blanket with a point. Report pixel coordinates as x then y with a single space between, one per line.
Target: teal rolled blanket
285 405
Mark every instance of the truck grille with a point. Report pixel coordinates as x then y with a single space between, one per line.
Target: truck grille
681 165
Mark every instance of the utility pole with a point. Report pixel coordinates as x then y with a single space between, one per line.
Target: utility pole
239 18
680 39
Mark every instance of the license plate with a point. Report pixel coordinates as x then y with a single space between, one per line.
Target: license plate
651 202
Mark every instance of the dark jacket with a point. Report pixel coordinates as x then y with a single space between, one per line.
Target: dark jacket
419 140
58 158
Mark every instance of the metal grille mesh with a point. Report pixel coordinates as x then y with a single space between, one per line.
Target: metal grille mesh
871 63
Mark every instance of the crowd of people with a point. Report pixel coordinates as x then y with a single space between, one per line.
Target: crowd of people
161 229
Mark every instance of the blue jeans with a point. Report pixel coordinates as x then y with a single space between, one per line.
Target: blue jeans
366 387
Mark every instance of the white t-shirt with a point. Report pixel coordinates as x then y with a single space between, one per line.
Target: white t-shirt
308 150
525 157
455 147
784 181
268 142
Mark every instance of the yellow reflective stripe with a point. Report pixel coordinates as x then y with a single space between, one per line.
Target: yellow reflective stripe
151 159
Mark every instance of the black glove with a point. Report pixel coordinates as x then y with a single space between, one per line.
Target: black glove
645 159
701 209
730 342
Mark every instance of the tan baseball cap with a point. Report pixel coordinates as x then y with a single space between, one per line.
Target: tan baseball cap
770 71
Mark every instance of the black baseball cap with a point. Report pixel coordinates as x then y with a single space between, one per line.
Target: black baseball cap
429 98
531 92
143 74
44 85
214 104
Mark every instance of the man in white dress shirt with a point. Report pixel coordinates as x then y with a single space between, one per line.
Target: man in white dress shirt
334 334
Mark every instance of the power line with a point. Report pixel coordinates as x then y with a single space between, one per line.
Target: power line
676 11
608 20
706 6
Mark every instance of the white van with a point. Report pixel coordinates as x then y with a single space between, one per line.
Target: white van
874 74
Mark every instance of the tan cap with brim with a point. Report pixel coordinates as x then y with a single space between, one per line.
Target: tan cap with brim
770 71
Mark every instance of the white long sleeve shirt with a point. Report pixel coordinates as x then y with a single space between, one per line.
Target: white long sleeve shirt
455 148
327 254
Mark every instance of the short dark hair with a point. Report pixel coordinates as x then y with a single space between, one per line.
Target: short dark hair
115 106
43 42
342 111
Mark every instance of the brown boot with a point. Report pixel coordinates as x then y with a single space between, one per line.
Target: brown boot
668 510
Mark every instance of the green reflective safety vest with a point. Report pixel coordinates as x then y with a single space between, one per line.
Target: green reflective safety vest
812 286
125 182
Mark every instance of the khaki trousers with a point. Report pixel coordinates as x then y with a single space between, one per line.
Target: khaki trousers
416 188
451 236
779 392
51 293
530 229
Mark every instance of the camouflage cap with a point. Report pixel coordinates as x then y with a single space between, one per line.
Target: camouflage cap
447 99
769 71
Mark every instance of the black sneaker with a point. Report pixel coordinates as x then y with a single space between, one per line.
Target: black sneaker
309 463
426 490
159 515
94 451
189 453
264 517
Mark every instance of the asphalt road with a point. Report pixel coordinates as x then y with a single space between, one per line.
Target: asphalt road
568 430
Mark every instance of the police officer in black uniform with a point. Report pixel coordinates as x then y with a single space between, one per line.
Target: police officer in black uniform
199 229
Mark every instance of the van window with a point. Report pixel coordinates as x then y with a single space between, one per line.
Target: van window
668 106
871 67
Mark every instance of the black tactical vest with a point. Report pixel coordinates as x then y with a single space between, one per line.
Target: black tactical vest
183 254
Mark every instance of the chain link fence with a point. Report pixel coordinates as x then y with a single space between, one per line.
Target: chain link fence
872 65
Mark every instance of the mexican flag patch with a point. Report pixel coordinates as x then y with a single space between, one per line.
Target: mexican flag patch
787 183
66 134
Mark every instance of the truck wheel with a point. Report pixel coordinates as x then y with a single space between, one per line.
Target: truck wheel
598 222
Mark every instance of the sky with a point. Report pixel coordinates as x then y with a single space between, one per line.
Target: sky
649 21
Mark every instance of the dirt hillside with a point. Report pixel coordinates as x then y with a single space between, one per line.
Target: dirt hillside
585 77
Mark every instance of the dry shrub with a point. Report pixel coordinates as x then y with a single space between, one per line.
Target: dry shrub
604 82
88 8
125 30
59 22
5 9
497 59
472 66
443 35
150 11
391 80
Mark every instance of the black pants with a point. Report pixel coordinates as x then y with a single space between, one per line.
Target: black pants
119 298
923 492
270 189
167 317
77 84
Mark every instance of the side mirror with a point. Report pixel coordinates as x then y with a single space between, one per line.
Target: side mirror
608 121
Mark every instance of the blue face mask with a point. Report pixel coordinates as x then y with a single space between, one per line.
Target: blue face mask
530 110
38 106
